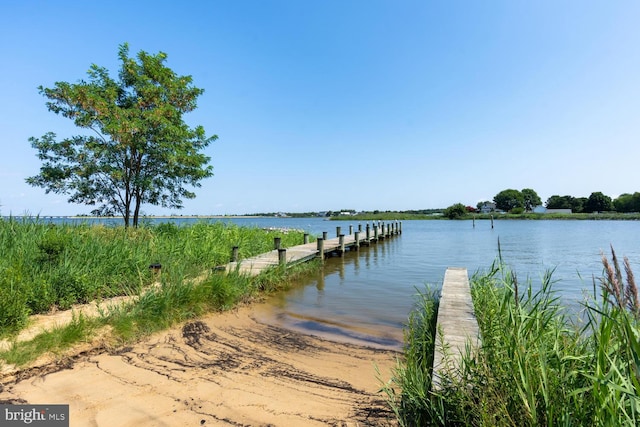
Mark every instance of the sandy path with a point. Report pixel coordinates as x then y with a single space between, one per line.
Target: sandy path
226 369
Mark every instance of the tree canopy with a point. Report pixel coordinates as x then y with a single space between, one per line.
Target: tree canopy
139 149
509 199
531 199
627 202
598 202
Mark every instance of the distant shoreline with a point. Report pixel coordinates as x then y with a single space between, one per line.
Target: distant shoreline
155 216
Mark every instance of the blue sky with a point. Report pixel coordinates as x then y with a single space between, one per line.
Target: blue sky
363 104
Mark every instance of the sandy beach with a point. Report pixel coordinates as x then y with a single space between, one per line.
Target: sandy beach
228 369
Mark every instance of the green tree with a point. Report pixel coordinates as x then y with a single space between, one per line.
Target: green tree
531 199
455 211
139 149
559 202
627 202
509 199
598 202
578 204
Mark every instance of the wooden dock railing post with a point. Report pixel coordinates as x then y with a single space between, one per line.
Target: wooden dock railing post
325 235
276 242
282 256
338 229
341 243
234 254
357 237
350 230
306 238
320 242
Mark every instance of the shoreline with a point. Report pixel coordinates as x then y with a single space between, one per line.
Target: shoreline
227 368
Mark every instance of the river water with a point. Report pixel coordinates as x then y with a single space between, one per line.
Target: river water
367 295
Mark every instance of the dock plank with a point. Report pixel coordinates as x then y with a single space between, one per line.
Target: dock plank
456 322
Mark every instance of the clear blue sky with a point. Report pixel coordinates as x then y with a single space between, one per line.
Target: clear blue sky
367 104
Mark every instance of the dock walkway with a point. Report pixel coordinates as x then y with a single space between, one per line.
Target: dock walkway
308 251
456 325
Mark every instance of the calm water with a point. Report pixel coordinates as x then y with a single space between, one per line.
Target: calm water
368 295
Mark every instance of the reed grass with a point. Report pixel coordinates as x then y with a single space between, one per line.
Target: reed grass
186 287
48 267
408 389
537 365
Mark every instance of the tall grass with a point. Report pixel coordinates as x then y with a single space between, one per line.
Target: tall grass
47 267
539 366
408 391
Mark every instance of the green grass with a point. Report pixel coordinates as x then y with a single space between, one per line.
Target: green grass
47 267
537 366
408 390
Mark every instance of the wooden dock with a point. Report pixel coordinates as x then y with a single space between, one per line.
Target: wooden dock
321 248
457 325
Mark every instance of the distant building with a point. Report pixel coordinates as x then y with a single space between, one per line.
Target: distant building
487 207
541 209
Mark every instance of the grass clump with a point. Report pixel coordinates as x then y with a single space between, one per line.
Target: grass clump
538 366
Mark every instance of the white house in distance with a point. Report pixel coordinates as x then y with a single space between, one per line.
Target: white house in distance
487 207
543 210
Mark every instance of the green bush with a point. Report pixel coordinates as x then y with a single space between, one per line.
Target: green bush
455 211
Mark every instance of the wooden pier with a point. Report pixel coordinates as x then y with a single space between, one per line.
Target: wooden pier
457 326
321 248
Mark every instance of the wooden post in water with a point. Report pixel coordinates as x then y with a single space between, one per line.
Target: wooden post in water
282 256
375 232
234 254
276 242
338 228
474 221
320 242
360 227
491 221
341 243
357 236
368 231
306 238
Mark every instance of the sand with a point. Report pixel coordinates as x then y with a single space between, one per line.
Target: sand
229 369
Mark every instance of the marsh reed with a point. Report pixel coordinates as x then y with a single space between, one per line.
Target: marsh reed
538 365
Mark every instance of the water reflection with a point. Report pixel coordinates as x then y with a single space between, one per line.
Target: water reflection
341 302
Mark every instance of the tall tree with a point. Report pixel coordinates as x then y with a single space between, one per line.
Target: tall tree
139 150
531 199
509 199
598 202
